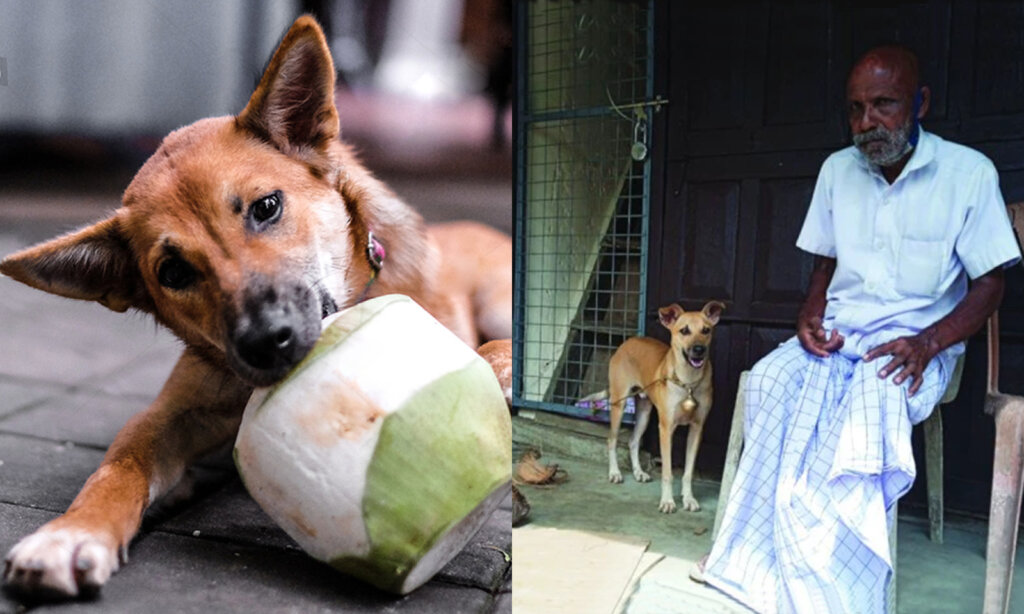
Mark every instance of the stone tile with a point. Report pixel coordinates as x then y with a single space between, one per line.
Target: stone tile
503 603
506 503
171 573
49 338
230 514
145 375
19 521
42 474
482 563
82 416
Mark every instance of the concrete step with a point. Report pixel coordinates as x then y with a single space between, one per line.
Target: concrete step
558 435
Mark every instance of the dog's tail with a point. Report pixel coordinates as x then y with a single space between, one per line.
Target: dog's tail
601 395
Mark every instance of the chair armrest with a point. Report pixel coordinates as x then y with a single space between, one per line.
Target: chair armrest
993 357
953 387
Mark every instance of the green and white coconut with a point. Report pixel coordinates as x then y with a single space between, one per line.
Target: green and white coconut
385 450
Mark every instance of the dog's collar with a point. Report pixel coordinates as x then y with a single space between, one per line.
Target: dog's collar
689 403
678 382
674 379
375 255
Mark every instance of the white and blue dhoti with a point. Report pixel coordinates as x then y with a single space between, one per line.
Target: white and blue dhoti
827 454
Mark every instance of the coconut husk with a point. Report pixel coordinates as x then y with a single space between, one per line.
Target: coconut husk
530 470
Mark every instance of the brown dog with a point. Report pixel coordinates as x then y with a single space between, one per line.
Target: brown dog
677 380
240 234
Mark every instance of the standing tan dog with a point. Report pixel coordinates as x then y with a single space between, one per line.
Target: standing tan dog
677 380
240 234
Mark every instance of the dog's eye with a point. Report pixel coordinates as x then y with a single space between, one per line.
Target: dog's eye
266 210
685 330
175 273
705 330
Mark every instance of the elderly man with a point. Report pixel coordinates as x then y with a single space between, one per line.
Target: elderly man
897 224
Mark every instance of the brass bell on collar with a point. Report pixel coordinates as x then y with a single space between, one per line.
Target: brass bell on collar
689 404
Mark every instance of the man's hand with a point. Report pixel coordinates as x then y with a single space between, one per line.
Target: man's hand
910 355
809 330
812 336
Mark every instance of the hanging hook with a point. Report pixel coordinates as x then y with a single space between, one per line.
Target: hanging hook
639 149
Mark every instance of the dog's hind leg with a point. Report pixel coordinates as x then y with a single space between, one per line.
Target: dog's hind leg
615 408
643 414
476 263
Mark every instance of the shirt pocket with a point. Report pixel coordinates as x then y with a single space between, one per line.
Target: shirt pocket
920 266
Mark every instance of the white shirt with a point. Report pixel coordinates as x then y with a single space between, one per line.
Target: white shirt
903 251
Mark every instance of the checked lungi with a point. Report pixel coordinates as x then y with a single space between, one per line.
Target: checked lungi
827 454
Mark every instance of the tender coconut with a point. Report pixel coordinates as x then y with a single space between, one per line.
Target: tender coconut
384 450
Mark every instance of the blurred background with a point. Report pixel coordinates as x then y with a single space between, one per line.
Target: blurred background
87 90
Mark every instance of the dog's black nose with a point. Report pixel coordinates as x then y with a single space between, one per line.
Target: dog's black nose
284 337
274 330
698 350
267 346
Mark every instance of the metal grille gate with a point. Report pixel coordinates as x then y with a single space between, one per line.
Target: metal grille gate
584 92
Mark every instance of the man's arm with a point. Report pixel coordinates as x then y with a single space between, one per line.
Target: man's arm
915 352
808 324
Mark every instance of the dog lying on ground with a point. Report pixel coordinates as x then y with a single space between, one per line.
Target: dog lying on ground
676 379
240 234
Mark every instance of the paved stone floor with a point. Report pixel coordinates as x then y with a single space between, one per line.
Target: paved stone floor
71 373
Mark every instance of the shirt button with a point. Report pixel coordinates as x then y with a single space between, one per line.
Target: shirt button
870 286
879 245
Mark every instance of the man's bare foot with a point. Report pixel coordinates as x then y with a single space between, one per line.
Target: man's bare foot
697 571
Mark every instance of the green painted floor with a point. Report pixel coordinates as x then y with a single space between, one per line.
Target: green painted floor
931 578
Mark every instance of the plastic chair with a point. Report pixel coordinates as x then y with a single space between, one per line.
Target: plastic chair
1007 467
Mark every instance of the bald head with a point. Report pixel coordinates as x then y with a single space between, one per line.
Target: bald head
894 63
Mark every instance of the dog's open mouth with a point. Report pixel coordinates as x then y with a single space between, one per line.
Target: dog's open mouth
695 362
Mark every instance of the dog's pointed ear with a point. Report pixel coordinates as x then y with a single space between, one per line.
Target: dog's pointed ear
669 314
713 311
94 263
293 105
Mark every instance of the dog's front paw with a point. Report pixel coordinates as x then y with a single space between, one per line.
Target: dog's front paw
690 504
641 475
614 477
60 562
667 506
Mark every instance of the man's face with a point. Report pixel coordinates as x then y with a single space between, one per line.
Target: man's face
880 112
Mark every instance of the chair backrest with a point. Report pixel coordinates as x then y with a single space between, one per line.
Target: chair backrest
1016 213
